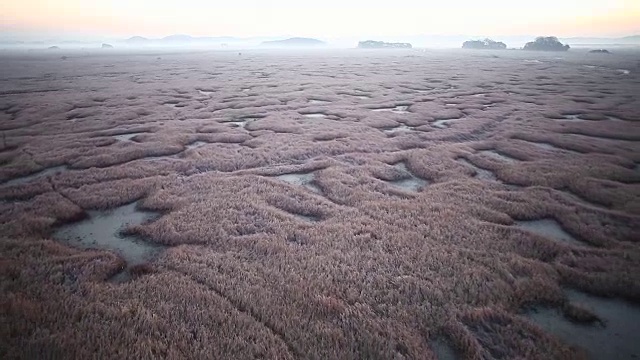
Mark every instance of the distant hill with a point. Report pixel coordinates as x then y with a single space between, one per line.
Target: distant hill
179 39
627 40
371 44
634 38
294 42
137 40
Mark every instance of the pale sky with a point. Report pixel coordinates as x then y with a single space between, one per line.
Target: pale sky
323 18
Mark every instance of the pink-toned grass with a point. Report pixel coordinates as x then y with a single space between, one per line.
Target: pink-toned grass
352 268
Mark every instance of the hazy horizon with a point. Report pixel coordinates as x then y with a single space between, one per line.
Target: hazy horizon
117 19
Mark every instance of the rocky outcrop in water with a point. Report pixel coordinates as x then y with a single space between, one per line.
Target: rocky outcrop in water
549 43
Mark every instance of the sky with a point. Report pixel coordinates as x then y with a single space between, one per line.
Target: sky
321 18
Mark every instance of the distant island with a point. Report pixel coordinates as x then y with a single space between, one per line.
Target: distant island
294 42
484 44
549 43
600 51
107 46
188 41
371 44
137 40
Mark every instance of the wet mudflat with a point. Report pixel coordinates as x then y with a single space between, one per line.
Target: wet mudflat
443 350
480 173
318 102
35 176
399 129
241 123
548 228
195 145
128 136
314 115
301 179
615 338
410 182
445 123
400 109
103 230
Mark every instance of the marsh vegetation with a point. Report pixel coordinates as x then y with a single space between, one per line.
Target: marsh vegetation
326 205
